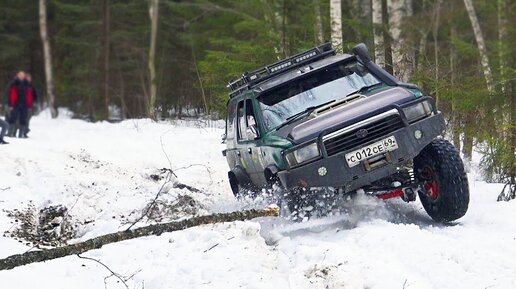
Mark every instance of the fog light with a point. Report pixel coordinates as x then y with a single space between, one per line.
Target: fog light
322 171
418 134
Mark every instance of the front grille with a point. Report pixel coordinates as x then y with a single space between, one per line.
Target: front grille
349 139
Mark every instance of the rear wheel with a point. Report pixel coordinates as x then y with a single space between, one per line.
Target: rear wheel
241 190
441 171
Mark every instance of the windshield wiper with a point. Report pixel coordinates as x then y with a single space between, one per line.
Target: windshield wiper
296 116
365 88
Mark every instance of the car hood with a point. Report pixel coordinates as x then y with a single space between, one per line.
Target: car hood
307 129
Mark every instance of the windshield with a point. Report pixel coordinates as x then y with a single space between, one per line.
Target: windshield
333 83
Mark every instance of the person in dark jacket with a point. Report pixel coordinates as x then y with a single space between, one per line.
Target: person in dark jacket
34 101
20 100
4 126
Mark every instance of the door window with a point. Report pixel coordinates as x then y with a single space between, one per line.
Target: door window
249 113
241 134
245 118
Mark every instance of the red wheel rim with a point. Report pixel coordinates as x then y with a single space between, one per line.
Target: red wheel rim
431 189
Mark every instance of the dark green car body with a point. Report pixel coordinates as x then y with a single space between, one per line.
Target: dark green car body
265 134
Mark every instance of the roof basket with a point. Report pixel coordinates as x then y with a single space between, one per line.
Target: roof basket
248 79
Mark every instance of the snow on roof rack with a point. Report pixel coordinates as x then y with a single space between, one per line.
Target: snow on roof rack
248 79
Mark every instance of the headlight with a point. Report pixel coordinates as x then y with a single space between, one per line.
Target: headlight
418 111
303 154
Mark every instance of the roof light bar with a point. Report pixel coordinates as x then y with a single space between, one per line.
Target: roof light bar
248 79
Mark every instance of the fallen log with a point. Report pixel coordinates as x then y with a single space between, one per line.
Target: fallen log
157 229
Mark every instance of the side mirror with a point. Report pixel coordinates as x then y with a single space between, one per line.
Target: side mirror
361 51
224 138
252 132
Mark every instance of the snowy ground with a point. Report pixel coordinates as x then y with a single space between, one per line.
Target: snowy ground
102 173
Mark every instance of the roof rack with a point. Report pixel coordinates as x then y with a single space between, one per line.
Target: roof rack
237 86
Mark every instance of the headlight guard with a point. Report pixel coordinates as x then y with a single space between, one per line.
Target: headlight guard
303 154
418 111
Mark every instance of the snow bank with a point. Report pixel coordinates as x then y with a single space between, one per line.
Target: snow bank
102 173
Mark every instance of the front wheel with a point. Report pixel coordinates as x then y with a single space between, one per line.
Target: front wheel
440 170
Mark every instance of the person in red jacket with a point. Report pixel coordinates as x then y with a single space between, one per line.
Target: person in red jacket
19 100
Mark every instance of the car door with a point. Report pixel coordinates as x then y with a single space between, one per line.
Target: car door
232 153
248 141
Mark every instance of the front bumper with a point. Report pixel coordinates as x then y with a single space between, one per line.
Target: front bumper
339 174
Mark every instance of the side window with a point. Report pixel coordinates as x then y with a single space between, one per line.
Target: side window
241 130
249 113
245 118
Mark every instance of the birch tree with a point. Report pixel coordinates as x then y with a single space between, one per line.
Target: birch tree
436 21
319 32
280 16
402 56
455 113
479 37
336 23
106 31
502 37
47 55
509 95
379 48
153 14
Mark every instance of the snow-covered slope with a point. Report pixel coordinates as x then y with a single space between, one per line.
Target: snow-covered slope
103 174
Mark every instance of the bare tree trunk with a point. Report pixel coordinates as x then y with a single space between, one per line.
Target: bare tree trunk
336 23
271 16
122 89
402 57
158 229
47 55
479 37
203 94
387 38
153 14
507 90
467 148
502 47
106 25
421 51
379 46
284 24
280 25
453 70
319 32
512 135
467 144
435 32
361 14
366 11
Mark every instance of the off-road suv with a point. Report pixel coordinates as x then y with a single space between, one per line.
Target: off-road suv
318 120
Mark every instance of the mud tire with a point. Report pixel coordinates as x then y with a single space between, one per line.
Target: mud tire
440 167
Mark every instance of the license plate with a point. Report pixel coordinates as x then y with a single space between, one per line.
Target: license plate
386 145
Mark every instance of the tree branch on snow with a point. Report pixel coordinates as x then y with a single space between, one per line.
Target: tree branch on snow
168 179
120 277
157 229
188 187
196 165
153 202
209 249
165 153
